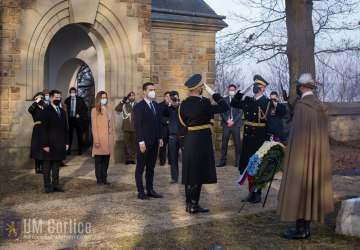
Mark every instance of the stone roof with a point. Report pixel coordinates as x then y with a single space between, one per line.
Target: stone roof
194 14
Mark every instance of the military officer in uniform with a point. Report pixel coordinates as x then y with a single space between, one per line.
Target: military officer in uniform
256 110
126 107
198 161
36 149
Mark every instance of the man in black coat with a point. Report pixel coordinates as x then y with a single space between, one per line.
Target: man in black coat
275 125
231 121
172 112
147 114
256 110
164 127
78 113
55 141
198 164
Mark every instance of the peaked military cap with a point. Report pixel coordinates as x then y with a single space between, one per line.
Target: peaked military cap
193 82
258 79
38 95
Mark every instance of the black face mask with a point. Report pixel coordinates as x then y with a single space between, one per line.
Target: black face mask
298 91
256 89
56 102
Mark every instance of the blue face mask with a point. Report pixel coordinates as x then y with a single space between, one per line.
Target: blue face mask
47 98
104 101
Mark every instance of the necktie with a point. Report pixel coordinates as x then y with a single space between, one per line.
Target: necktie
58 111
231 113
72 107
152 109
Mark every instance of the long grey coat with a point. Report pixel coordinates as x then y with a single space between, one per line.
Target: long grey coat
306 190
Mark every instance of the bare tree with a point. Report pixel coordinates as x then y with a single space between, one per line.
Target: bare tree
273 28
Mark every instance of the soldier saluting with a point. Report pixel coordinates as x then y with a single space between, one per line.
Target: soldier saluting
198 162
256 110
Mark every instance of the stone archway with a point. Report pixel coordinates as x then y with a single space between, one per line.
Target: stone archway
68 50
112 32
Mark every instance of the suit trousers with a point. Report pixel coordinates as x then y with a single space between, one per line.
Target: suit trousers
75 123
101 167
129 140
51 168
146 161
162 152
235 132
174 147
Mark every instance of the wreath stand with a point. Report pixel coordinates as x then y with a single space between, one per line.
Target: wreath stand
274 164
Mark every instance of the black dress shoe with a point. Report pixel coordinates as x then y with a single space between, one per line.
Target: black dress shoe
48 190
152 193
106 183
300 232
294 234
127 162
142 196
62 164
220 166
132 162
194 209
58 189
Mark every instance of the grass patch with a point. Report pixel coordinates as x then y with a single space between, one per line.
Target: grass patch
256 231
17 188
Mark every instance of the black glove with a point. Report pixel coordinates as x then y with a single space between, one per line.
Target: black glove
238 96
41 102
124 100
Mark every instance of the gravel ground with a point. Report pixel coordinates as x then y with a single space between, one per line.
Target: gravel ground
118 214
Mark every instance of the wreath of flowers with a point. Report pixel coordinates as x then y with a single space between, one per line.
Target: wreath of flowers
263 163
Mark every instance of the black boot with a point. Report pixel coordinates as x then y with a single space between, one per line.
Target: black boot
249 198
195 197
38 167
187 197
257 197
301 231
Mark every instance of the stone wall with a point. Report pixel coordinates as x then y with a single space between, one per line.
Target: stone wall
121 28
344 121
10 18
178 54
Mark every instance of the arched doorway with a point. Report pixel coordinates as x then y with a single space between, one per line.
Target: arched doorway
73 59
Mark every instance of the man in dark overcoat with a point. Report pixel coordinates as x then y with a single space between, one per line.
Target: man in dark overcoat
55 141
256 110
198 164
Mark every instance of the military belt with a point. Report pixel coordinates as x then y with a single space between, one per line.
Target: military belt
38 122
200 127
255 124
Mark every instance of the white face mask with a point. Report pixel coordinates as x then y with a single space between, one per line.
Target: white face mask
47 98
104 101
231 93
73 94
152 94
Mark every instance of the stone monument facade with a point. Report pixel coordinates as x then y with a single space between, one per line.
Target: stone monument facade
124 42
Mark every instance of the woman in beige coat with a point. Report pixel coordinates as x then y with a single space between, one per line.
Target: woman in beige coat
103 131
